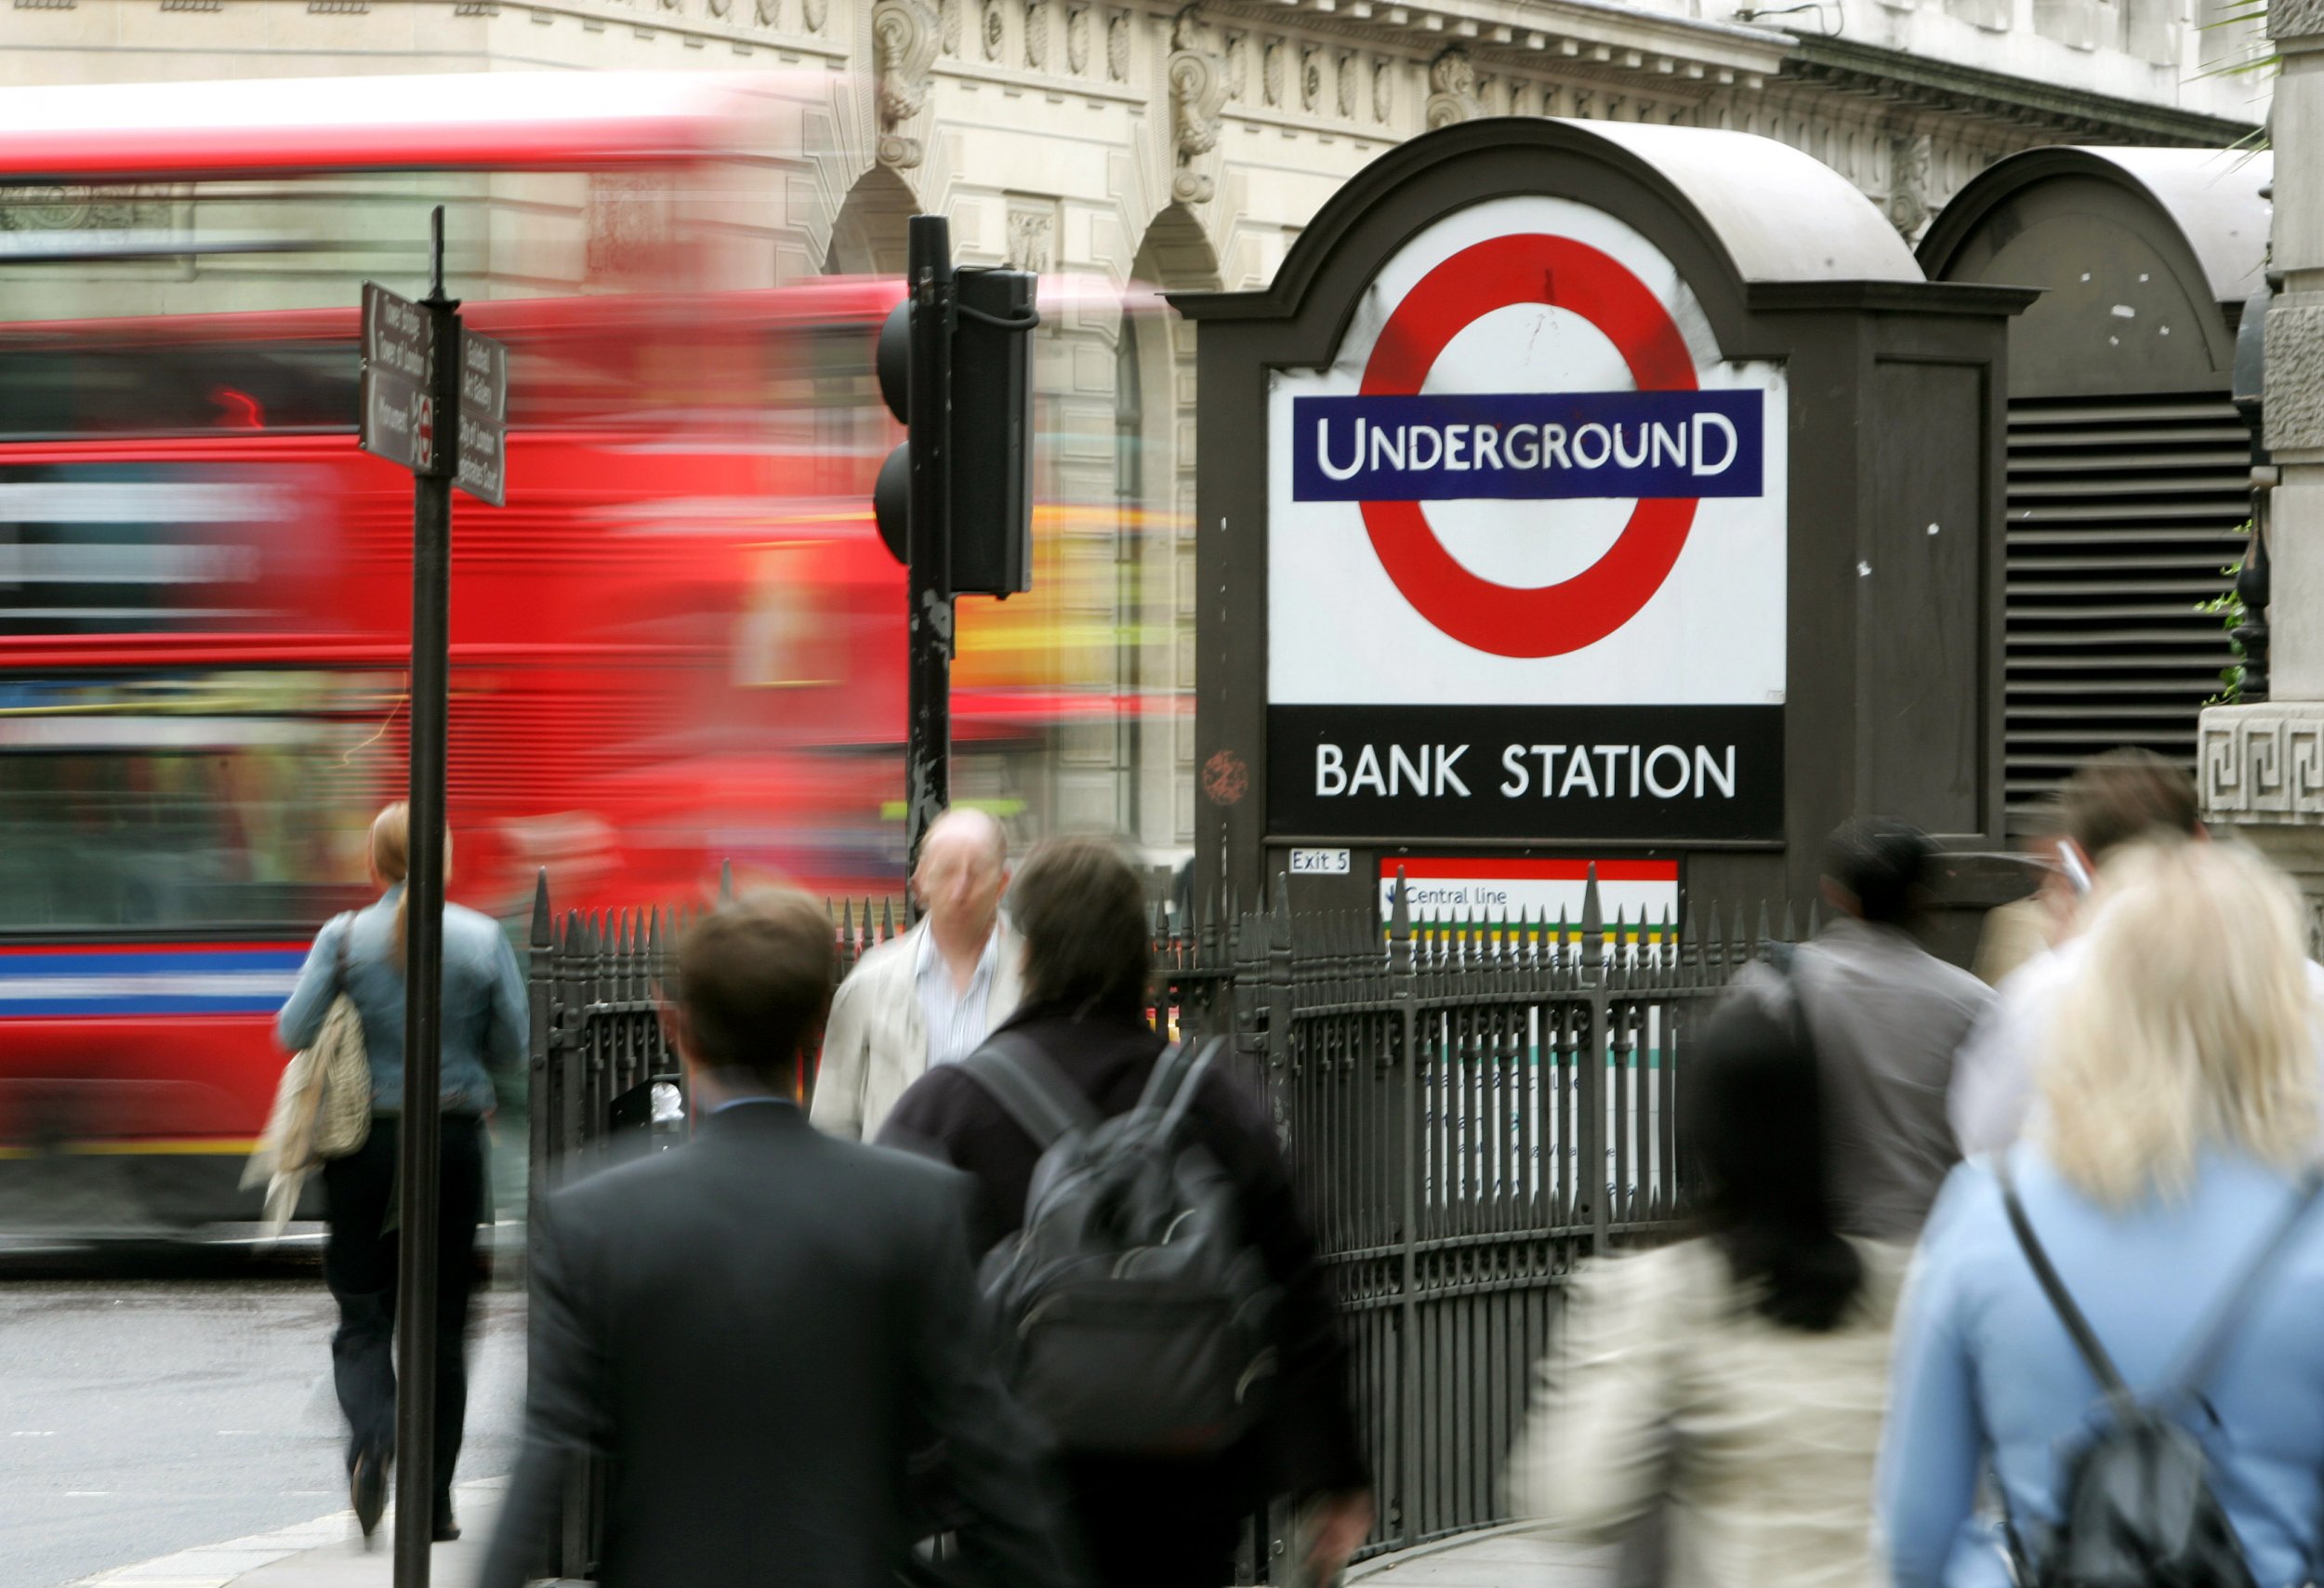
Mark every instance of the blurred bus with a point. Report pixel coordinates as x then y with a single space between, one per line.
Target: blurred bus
681 643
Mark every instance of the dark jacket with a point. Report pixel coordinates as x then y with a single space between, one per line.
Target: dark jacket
1309 1443
760 1328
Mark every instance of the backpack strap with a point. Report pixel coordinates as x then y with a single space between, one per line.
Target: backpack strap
1030 1089
2085 1339
2203 1355
1175 1080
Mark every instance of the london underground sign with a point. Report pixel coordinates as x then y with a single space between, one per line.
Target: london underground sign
1526 549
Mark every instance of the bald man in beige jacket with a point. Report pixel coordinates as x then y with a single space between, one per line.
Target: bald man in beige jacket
931 995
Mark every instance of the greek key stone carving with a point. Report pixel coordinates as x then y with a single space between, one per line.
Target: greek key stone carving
1036 34
2264 763
1118 48
1198 94
1452 83
904 50
1077 40
2295 372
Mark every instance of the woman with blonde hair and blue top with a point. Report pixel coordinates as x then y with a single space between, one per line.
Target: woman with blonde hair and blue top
2166 1185
362 955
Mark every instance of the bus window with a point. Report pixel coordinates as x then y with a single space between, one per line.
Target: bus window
203 800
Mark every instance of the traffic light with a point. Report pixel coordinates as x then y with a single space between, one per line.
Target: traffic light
964 337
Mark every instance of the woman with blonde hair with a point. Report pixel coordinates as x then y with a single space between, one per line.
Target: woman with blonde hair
362 954
2171 1162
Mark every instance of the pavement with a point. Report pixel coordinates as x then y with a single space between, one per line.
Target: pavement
327 1552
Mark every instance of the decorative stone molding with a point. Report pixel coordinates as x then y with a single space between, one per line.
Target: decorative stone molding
1910 200
2294 19
1348 71
1310 79
1077 40
2295 372
1198 81
768 13
1032 234
948 25
904 35
2264 763
1239 67
1271 71
816 13
1384 92
1118 48
1452 81
1036 34
995 30
2262 772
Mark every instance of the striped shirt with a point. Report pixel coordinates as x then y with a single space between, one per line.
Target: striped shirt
956 1022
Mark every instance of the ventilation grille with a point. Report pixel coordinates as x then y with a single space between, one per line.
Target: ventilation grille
2121 515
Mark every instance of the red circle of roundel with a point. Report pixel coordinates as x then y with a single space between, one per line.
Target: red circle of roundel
1551 620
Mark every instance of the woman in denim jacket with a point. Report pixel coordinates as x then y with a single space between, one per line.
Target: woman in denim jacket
484 1028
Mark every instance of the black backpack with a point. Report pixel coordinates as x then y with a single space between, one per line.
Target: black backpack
1129 1314
2139 1510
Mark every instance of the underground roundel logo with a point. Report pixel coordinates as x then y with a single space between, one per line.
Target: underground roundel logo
1393 449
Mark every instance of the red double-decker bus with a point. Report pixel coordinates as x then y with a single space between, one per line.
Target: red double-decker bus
680 644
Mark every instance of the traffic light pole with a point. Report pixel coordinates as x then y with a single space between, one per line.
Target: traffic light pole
421 1143
928 747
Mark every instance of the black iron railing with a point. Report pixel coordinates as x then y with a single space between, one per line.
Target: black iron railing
1469 1112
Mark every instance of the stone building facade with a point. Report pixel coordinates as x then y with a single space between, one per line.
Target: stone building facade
1185 147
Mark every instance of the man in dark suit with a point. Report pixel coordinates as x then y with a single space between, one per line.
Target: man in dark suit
761 1328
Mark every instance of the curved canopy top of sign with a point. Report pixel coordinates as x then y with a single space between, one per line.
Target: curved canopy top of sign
1780 214
1774 214
2210 195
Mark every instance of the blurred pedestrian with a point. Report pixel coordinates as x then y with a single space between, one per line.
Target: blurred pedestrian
1155 1521
929 997
1885 1017
2028 928
2123 798
484 1029
1732 1382
760 1330
2183 1101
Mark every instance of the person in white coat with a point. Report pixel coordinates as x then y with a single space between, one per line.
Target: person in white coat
931 995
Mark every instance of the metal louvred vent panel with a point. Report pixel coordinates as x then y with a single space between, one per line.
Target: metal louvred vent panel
2123 512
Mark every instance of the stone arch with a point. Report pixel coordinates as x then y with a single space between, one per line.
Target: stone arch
1154 402
867 235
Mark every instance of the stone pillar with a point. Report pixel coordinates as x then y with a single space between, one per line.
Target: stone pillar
2261 763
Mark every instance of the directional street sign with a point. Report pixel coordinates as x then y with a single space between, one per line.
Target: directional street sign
399 379
482 470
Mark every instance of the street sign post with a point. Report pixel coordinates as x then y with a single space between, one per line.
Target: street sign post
433 402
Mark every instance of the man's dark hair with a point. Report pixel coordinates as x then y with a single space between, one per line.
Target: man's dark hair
1882 863
753 984
1751 1121
2128 794
1083 916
